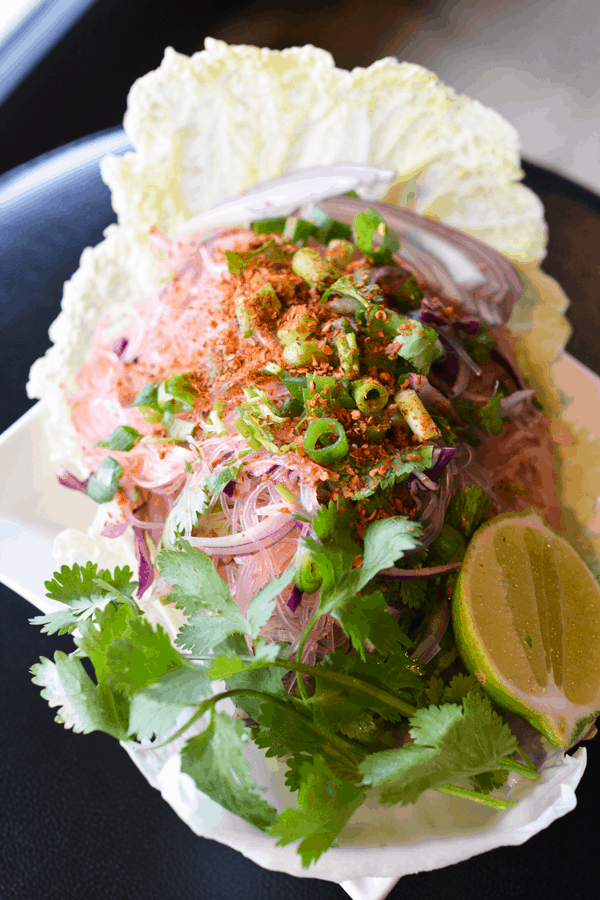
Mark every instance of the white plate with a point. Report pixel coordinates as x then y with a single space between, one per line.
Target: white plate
34 509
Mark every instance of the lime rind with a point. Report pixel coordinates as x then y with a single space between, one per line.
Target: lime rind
560 712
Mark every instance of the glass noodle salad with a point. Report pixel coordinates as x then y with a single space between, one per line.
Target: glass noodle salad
305 427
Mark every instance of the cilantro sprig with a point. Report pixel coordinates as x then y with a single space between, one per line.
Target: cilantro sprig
335 730
82 590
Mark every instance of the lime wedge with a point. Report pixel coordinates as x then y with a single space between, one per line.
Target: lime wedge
526 615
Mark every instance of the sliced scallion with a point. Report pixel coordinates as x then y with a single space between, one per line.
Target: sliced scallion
417 418
370 395
321 430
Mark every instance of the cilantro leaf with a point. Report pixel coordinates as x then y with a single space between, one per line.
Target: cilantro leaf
179 687
388 637
197 499
384 543
197 590
459 686
397 674
263 679
289 730
155 709
357 617
223 667
487 782
83 705
374 238
450 742
238 261
138 656
467 510
490 415
263 603
97 634
127 654
397 470
434 692
415 594
76 587
215 761
480 345
325 804
332 526
355 287
417 344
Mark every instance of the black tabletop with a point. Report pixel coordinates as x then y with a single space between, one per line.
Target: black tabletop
76 817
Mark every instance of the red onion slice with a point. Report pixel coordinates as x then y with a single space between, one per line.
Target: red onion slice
67 479
266 534
114 529
119 347
145 568
295 599
513 405
436 630
490 295
499 357
395 574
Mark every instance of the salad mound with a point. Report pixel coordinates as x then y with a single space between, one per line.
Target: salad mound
304 433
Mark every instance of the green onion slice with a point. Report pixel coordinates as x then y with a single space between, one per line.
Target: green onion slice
323 429
370 395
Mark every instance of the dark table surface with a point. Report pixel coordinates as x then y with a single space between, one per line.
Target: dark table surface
76 817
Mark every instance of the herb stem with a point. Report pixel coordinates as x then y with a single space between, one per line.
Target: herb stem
353 684
303 639
346 748
493 802
507 762
528 761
